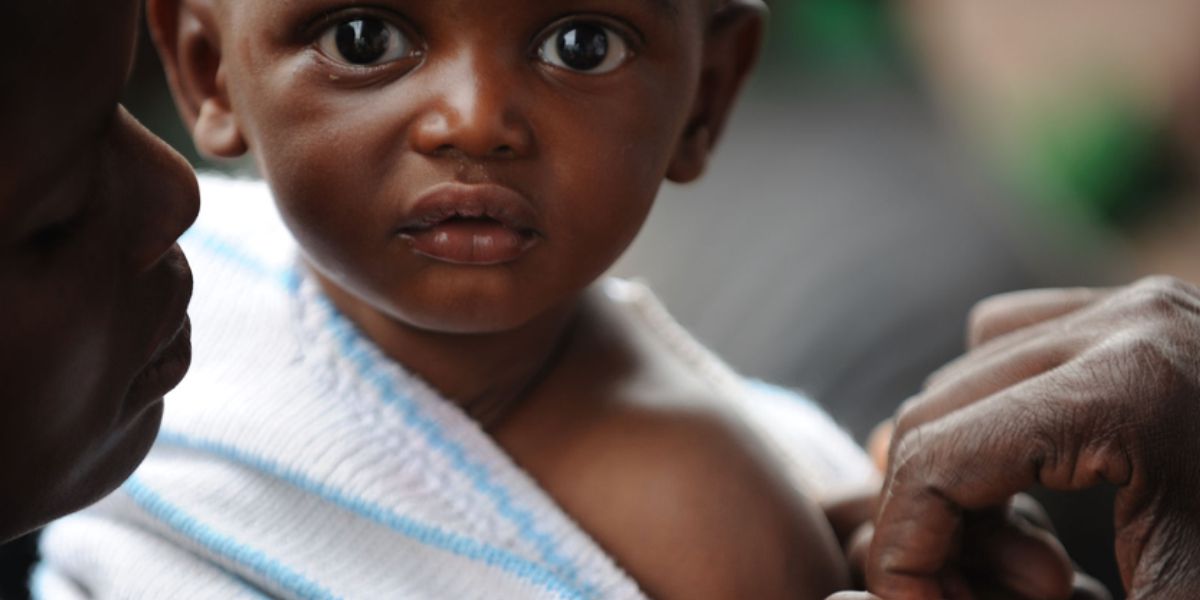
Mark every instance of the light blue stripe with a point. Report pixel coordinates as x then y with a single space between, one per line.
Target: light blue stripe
479 475
215 244
353 348
777 390
37 581
223 545
429 535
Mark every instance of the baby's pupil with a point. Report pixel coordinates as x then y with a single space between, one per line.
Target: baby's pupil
363 41
582 46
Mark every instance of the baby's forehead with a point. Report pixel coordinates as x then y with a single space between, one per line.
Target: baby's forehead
668 6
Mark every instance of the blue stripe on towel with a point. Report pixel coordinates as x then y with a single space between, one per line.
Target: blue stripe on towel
38 581
352 346
223 248
222 545
430 535
356 350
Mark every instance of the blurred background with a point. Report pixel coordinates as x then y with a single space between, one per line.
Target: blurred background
896 162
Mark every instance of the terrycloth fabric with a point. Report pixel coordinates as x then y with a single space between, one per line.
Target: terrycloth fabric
296 461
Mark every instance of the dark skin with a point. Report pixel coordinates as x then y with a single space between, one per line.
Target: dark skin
473 93
92 286
1069 389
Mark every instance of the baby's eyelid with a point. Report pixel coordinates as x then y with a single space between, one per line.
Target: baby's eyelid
634 40
620 50
322 22
327 29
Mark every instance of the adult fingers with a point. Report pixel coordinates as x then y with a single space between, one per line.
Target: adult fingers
878 444
1032 511
976 380
1086 588
1046 330
1003 548
1010 558
848 514
1107 311
972 459
1001 315
858 551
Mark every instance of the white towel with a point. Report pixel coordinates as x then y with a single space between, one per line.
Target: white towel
296 461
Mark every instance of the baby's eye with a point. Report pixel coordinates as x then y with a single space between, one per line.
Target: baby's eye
585 47
365 41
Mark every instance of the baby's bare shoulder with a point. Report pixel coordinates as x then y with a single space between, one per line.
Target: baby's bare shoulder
634 446
692 510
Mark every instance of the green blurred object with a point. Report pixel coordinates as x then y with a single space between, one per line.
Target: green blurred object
839 37
1101 157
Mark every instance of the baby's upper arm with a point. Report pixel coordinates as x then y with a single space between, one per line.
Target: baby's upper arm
696 513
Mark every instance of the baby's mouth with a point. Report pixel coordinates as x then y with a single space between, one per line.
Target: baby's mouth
473 225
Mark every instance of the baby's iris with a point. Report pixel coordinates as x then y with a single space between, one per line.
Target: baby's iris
364 42
585 47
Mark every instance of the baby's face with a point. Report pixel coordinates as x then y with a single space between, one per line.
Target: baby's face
463 165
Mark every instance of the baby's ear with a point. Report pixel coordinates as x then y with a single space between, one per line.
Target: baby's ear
188 41
731 49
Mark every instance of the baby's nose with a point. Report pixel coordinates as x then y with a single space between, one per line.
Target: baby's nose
475 112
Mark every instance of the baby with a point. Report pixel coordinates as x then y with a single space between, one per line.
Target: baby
435 395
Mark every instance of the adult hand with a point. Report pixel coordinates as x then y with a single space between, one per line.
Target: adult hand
1069 389
1008 553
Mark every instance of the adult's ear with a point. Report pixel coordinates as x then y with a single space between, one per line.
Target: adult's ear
731 49
188 41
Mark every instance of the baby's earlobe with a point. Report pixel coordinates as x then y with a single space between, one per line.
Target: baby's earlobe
691 157
216 131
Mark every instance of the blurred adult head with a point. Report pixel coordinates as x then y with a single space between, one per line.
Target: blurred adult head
93 289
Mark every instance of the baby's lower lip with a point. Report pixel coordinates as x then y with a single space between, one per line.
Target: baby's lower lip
473 242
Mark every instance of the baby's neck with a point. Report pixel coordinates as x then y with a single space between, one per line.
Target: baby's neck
485 374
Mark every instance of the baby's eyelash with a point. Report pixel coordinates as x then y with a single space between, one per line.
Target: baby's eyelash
313 28
631 34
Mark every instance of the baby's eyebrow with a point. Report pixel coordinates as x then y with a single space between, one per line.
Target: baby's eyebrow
666 7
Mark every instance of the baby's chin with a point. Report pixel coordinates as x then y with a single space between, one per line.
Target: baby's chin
461 303
475 315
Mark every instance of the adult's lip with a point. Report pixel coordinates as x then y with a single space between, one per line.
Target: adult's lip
471 224
171 356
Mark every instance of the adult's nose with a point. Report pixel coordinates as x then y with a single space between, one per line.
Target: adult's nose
157 188
473 110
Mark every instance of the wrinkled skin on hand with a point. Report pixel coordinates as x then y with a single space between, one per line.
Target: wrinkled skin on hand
1008 553
1067 389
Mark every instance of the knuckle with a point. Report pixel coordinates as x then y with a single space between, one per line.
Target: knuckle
983 319
1139 347
1163 282
1143 366
907 461
917 464
1144 358
1162 296
908 417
